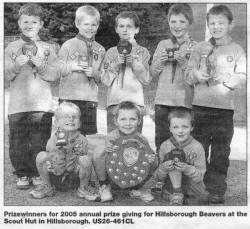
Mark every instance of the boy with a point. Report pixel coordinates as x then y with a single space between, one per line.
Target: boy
172 90
81 59
30 66
66 152
124 75
216 68
182 159
127 120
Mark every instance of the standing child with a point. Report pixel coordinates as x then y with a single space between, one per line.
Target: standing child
127 120
125 74
216 68
169 63
66 152
81 59
30 66
182 160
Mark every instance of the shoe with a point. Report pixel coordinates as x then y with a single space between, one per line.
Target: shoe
216 199
144 195
42 191
157 189
23 183
36 181
105 193
87 194
176 199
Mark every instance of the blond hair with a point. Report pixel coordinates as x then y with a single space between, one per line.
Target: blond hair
86 10
60 109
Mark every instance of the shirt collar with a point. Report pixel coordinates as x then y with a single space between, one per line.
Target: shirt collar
181 145
27 39
224 41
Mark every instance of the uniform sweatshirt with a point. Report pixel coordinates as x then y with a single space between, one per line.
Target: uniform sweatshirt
76 85
172 90
195 156
133 79
227 59
30 88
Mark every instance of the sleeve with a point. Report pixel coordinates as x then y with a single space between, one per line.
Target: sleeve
141 68
10 69
157 65
64 68
48 70
110 68
192 66
197 170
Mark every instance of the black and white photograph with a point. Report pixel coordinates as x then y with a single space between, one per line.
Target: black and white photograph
157 132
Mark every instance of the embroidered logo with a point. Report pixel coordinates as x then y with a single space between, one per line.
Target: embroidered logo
230 59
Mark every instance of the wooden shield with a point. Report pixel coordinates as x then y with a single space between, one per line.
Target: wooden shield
128 166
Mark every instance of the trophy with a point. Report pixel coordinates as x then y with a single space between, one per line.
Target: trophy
170 52
29 49
124 47
62 138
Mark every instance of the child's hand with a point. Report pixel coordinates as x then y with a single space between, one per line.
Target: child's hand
181 166
37 61
151 158
163 56
129 59
121 59
168 165
201 76
75 67
88 71
233 82
21 60
180 56
110 148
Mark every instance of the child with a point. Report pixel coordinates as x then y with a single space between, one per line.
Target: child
185 176
30 66
81 59
216 68
127 120
70 147
172 90
125 74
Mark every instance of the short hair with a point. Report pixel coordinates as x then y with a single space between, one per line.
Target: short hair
63 105
31 9
181 8
87 10
128 105
128 14
221 9
181 112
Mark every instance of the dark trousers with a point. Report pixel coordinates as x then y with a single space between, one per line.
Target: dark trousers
214 129
88 115
29 133
111 118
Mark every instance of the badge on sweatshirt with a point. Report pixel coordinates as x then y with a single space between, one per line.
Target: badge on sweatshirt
230 59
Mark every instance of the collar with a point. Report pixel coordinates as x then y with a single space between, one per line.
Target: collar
182 144
27 39
86 40
185 39
224 41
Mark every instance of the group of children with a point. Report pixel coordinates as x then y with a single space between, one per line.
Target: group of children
194 94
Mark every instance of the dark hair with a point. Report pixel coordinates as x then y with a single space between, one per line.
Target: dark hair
221 9
128 14
127 105
181 8
31 9
181 112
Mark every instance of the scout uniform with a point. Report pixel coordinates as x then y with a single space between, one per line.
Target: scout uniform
172 90
76 87
124 86
30 103
213 105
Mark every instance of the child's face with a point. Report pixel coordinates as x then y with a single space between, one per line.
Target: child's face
180 128
126 29
69 120
127 121
30 25
219 26
178 25
88 26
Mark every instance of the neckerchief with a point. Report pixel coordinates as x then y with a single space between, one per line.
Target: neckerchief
181 145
